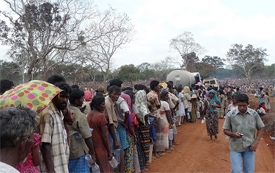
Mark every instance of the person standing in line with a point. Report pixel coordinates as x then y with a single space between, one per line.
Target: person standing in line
98 122
186 102
181 110
55 149
154 98
5 85
16 133
241 124
80 135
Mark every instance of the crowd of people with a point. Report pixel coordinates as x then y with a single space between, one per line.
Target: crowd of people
122 129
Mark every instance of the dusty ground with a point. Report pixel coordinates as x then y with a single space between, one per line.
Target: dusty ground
196 154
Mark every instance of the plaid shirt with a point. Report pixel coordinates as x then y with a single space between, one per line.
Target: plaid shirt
52 130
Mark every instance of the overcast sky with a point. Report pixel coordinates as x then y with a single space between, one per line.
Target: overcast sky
215 24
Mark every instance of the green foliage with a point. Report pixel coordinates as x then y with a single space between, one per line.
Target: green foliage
203 68
215 61
129 73
10 70
247 59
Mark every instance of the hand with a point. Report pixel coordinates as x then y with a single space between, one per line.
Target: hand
116 144
124 125
254 146
110 156
83 108
237 135
94 159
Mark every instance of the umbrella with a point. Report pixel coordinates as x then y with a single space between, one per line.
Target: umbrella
35 94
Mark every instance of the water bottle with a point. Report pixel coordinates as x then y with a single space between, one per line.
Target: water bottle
175 129
171 134
89 161
198 114
117 154
95 168
113 162
203 120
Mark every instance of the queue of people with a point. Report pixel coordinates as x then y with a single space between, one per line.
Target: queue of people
121 130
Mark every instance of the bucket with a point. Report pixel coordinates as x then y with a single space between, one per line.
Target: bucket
151 150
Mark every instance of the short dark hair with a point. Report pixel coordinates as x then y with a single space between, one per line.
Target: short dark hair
97 100
170 86
163 93
114 88
130 93
5 85
179 88
127 88
242 98
55 78
64 87
140 87
116 82
153 84
75 95
16 124
75 86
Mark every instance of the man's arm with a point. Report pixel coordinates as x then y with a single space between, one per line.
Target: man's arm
232 134
258 138
46 149
113 133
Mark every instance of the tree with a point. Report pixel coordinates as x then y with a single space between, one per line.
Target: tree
215 61
118 31
40 31
146 70
203 68
162 68
186 46
247 60
129 73
10 70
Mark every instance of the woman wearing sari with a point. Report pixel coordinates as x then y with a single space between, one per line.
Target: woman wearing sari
131 138
142 132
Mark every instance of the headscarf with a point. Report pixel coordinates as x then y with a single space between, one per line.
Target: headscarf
213 100
141 104
127 98
87 96
186 89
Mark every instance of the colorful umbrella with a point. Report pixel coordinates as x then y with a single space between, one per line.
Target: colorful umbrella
35 94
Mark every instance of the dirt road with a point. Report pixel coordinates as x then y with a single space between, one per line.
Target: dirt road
196 154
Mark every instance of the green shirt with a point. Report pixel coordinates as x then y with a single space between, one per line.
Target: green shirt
78 146
246 124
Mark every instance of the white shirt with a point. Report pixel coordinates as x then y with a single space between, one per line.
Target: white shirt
5 168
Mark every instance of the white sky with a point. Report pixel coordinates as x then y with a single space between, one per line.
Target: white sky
216 25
